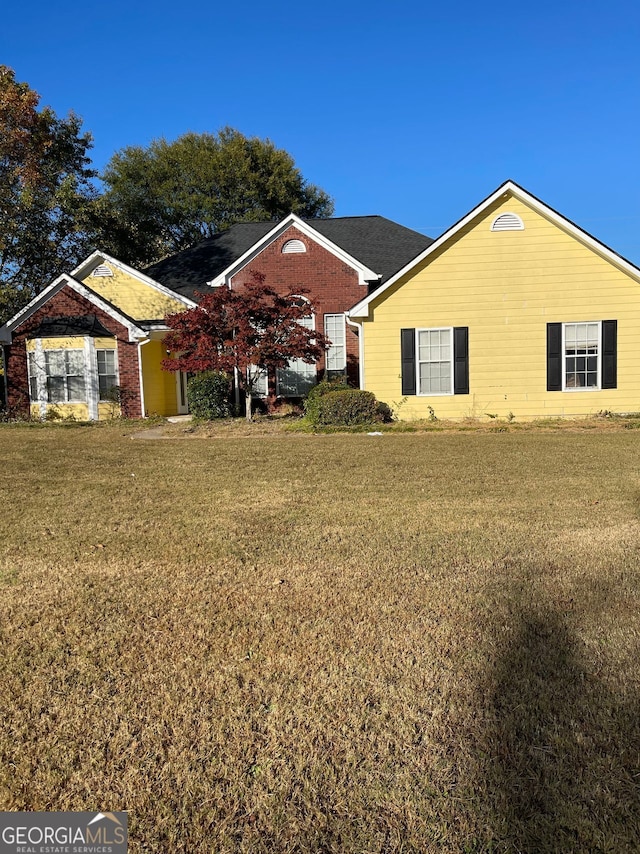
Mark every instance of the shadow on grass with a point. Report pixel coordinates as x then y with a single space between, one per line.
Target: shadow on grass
562 768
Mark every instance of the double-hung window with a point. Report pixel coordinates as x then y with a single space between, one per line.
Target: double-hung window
435 361
65 376
581 356
33 376
107 373
299 377
335 331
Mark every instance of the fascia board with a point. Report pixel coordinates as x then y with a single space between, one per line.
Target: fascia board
26 312
98 257
361 309
135 331
364 273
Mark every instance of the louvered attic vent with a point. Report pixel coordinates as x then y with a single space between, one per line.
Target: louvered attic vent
293 246
102 270
507 222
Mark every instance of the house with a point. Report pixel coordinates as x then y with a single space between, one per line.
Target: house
513 310
102 326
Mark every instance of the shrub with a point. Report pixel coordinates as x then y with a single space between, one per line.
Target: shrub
208 395
348 408
319 391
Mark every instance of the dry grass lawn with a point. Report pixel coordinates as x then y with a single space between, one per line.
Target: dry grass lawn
298 643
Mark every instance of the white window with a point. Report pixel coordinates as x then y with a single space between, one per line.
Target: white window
33 376
334 329
435 361
581 356
299 377
260 381
107 373
64 371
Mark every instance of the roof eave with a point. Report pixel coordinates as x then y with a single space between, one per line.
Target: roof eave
136 333
361 309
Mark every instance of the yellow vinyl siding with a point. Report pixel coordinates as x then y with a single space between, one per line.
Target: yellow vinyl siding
505 287
160 389
136 299
75 342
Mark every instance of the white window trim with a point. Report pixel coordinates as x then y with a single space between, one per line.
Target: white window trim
418 362
581 389
342 369
116 373
67 399
91 382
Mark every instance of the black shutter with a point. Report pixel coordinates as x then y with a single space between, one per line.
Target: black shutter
461 360
554 357
609 354
408 354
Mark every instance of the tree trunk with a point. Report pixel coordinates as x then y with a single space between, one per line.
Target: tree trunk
248 405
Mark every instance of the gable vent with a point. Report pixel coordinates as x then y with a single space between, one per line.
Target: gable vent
507 222
293 246
102 270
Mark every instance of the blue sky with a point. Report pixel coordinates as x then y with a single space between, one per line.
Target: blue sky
415 111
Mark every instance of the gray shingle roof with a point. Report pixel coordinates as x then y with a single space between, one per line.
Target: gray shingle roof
379 243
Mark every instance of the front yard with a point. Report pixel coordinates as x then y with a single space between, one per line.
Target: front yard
276 642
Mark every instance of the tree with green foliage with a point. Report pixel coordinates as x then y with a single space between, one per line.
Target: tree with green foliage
45 191
169 195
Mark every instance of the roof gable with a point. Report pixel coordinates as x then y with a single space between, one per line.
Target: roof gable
372 243
6 332
506 191
106 285
365 274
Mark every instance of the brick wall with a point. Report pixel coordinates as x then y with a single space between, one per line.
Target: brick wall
66 302
331 284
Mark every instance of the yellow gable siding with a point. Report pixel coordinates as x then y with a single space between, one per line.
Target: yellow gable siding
135 298
505 287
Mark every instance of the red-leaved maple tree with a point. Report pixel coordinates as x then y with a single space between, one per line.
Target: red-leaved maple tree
242 332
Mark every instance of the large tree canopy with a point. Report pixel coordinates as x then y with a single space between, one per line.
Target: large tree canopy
45 189
166 197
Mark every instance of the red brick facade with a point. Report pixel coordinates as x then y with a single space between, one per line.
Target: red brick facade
68 303
332 284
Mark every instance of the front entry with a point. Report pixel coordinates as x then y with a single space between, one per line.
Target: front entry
181 392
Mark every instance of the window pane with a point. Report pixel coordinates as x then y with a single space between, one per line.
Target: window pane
106 384
296 380
55 363
75 386
55 389
75 362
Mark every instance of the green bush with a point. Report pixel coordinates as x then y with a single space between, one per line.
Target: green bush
208 395
348 408
319 391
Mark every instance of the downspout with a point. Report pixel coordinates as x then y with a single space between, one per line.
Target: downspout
360 333
140 345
